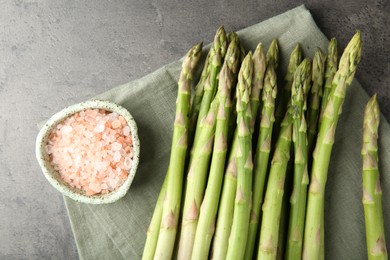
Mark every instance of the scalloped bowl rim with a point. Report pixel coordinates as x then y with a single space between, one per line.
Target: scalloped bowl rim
53 176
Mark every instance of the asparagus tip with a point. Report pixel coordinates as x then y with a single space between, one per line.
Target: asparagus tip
371 113
220 40
353 51
273 53
294 60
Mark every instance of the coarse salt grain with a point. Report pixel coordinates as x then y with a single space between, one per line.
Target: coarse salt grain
92 151
128 161
116 124
99 128
116 146
126 131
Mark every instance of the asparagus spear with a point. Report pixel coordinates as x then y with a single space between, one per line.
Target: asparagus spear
330 71
154 226
294 61
226 205
171 208
217 52
372 193
315 97
218 43
315 103
201 149
300 89
263 146
239 230
272 206
321 156
208 210
196 182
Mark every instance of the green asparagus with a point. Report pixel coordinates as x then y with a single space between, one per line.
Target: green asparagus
226 205
217 52
225 209
208 211
272 206
263 146
233 119
294 61
239 229
315 98
300 89
321 156
154 227
197 99
273 54
196 182
272 58
259 66
372 193
330 71
171 208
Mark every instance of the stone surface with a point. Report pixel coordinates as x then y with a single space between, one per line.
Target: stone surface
56 53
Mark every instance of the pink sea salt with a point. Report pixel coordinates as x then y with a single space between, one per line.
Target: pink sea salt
92 150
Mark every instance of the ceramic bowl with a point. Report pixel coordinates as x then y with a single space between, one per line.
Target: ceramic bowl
53 176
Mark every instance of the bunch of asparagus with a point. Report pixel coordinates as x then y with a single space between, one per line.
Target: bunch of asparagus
220 174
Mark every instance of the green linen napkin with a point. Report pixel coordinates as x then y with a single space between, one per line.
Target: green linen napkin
118 230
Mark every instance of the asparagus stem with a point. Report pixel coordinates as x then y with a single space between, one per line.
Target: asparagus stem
196 182
154 226
294 61
201 149
239 230
208 211
324 144
314 109
300 89
315 97
217 52
330 71
284 214
372 192
226 207
272 206
263 147
171 208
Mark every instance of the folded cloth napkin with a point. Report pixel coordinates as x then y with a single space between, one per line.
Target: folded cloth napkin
118 230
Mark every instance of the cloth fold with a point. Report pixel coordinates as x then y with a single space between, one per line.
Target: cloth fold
118 230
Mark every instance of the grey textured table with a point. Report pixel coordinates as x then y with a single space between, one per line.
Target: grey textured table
56 53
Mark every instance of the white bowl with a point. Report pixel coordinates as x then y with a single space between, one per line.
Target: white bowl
53 176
